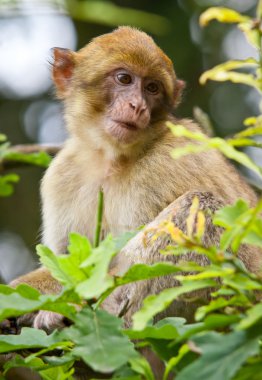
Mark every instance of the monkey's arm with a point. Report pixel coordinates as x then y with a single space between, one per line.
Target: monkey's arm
39 279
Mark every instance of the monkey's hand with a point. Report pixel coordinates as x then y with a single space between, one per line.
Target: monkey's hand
41 280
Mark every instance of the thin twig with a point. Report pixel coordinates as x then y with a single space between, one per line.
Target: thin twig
51 149
99 218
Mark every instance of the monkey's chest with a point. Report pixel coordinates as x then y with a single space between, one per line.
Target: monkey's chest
127 207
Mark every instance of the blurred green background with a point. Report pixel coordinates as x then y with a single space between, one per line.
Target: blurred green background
29 112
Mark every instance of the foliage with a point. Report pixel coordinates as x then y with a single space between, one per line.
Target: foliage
248 72
225 340
227 330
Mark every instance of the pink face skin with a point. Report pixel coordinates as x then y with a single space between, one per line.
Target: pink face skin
132 99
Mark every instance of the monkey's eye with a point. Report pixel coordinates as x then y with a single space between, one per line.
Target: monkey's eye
152 87
124 78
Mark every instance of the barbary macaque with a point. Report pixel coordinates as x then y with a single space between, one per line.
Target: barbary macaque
118 93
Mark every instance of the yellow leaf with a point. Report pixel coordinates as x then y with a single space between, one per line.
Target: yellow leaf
252 34
238 141
223 72
250 121
232 76
222 15
179 131
200 226
190 221
252 131
176 234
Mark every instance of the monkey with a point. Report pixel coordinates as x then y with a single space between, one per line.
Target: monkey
118 93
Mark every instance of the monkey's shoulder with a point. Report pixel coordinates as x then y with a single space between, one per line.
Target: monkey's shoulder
70 169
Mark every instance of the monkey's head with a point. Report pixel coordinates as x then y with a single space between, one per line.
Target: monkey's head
118 86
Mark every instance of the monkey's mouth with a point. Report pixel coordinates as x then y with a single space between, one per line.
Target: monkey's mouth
123 131
127 125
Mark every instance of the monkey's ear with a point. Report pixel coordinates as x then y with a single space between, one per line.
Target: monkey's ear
179 87
62 70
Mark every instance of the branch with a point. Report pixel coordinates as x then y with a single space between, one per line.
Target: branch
51 149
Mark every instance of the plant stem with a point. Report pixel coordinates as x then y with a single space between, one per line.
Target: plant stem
259 9
259 17
99 217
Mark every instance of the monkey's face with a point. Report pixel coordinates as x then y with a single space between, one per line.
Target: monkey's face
132 98
116 88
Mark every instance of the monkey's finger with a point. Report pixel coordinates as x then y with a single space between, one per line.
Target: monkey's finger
49 321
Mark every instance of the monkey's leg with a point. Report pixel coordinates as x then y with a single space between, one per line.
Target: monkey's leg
130 297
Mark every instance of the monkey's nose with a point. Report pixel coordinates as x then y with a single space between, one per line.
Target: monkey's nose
138 106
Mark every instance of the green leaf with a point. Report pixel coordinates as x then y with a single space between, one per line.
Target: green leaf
222 355
28 338
154 304
79 248
221 14
141 366
99 341
168 328
227 216
216 304
125 373
241 282
143 272
121 241
84 269
209 272
63 268
18 301
251 371
6 184
66 268
243 225
254 314
24 299
98 264
253 238
175 360
220 321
